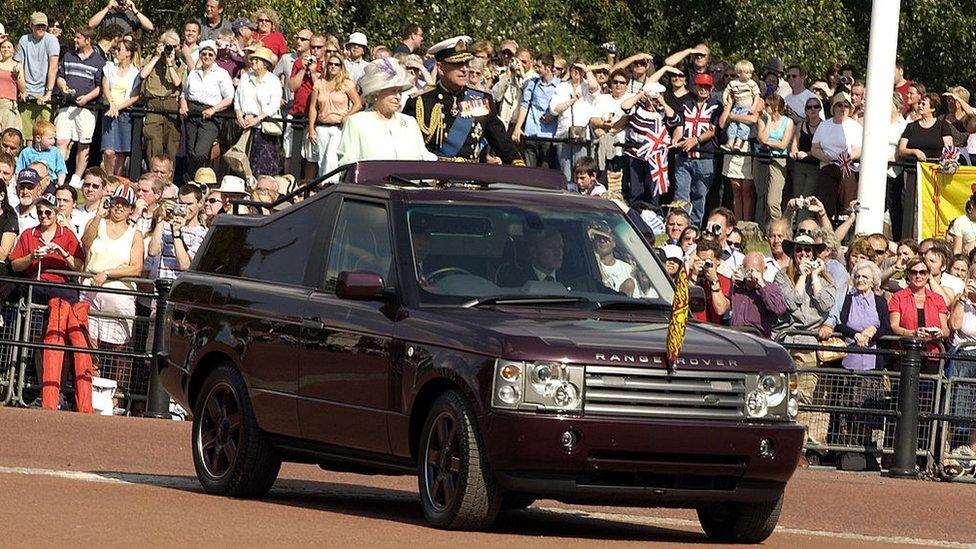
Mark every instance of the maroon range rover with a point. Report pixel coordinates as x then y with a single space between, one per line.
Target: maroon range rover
480 327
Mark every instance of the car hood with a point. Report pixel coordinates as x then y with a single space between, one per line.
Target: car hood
613 342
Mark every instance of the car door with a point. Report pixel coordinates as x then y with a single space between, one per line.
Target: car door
345 363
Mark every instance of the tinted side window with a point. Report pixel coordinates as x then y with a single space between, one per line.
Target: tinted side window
361 242
277 252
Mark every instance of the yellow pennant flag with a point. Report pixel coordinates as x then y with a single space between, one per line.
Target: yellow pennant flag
941 197
679 318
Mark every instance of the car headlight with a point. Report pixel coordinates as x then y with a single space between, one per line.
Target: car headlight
771 396
538 386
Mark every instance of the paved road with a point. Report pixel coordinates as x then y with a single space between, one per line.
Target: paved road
123 481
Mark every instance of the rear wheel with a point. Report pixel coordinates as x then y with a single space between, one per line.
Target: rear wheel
231 454
740 522
457 491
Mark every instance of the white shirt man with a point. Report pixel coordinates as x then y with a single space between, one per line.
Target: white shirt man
93 189
798 95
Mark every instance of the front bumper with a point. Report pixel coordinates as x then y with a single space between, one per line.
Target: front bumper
640 461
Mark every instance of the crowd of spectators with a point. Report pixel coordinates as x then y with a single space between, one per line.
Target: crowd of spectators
705 151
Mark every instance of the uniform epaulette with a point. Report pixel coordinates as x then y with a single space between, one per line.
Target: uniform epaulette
428 89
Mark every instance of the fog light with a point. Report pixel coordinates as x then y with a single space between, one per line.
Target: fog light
766 448
569 440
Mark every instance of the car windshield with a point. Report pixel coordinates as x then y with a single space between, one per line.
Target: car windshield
478 254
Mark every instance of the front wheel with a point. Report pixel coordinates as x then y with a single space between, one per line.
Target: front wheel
740 522
457 491
231 454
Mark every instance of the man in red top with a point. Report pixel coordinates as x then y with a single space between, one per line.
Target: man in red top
48 246
303 74
902 85
704 272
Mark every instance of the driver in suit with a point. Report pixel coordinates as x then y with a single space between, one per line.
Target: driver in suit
545 250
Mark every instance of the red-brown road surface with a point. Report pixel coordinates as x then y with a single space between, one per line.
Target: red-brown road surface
68 479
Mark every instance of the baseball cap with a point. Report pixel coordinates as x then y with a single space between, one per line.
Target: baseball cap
357 38
212 44
38 18
673 252
242 22
28 177
704 79
48 199
124 193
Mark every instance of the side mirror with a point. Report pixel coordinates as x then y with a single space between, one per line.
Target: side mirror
360 285
696 298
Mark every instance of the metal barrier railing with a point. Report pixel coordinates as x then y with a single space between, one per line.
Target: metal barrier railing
130 364
894 409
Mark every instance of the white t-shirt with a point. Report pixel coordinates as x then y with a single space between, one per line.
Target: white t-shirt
797 102
954 283
965 336
834 138
615 275
577 115
963 227
605 105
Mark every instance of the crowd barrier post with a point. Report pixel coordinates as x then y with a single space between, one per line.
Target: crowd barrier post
299 126
157 401
138 117
906 432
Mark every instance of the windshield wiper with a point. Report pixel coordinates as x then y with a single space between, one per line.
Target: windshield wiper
636 305
523 300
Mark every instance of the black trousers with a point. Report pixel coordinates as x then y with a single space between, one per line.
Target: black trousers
542 154
200 136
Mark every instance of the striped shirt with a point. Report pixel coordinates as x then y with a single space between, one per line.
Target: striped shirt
82 74
192 238
643 125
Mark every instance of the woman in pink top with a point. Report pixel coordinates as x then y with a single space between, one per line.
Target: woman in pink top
333 100
9 118
267 22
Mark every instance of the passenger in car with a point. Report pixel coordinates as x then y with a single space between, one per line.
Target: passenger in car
545 249
618 275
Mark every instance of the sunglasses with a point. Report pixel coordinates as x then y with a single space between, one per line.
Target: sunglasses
641 62
214 200
803 249
56 26
334 64
736 245
45 213
918 272
601 71
559 69
813 107
264 20
619 82
600 238
413 70
91 186
791 76
879 252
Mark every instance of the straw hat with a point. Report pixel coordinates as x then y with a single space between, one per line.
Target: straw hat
264 53
383 74
803 240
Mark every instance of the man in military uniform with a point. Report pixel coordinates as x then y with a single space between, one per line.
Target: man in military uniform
457 121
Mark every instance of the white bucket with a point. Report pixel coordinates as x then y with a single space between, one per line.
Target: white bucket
102 392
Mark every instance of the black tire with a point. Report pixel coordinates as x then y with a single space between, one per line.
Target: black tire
231 454
457 491
738 522
513 501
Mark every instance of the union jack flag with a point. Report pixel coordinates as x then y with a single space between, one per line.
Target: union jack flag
659 172
698 120
846 164
949 152
657 141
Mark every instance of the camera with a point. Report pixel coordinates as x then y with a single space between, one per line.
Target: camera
180 210
309 60
856 207
168 49
714 229
610 47
44 250
106 203
802 202
846 81
707 265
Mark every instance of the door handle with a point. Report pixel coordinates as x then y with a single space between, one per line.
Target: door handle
313 323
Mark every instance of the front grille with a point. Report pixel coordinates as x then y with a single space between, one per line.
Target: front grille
649 392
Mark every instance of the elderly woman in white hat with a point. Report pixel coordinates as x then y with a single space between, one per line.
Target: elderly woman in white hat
382 132
259 97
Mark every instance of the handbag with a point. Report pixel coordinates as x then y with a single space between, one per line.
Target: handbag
236 157
830 355
576 134
273 127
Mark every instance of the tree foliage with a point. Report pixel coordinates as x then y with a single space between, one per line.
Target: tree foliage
936 39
